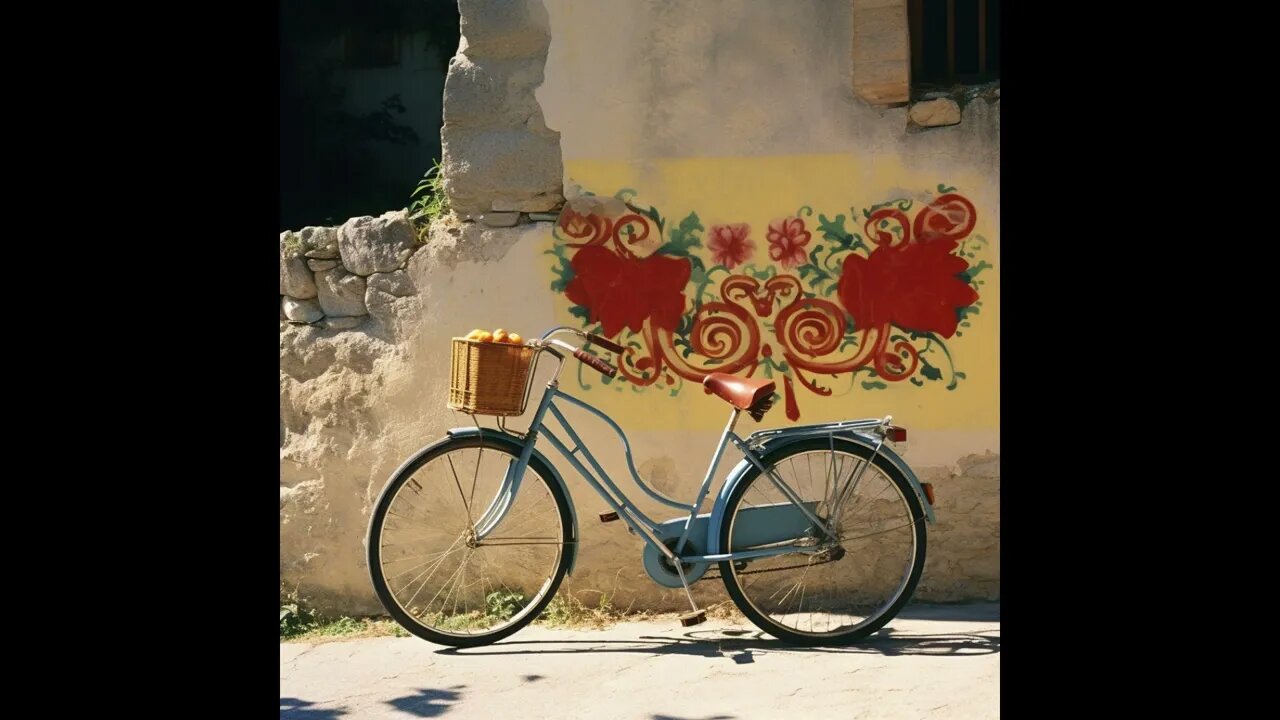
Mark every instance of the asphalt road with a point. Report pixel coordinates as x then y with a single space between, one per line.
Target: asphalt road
932 661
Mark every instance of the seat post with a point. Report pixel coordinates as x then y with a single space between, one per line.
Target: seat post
698 615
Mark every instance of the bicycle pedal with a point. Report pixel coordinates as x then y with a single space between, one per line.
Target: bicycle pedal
610 516
693 618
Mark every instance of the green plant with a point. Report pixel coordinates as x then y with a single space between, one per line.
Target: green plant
567 610
431 201
503 604
295 618
292 244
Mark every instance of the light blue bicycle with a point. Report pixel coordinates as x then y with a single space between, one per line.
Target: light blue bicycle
817 533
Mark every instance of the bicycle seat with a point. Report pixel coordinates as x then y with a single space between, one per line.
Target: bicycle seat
742 393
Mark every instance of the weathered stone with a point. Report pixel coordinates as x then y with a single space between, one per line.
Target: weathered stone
935 113
342 323
295 277
497 152
512 165
500 219
881 52
506 29
390 298
543 217
486 92
341 293
538 203
307 311
320 265
396 284
282 316
369 245
320 242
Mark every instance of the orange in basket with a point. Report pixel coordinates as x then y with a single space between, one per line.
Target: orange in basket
490 378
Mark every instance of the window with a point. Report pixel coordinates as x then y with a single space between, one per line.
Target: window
371 48
954 42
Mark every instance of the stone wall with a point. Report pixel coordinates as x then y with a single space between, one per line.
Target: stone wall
366 312
340 277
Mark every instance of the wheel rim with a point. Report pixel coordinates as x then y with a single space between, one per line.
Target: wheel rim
438 575
838 590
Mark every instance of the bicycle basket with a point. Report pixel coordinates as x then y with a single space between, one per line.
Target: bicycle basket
490 378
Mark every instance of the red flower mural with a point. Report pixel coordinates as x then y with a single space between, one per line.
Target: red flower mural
729 244
915 286
621 292
787 238
908 288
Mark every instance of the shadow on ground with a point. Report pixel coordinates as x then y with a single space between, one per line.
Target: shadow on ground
427 702
295 709
958 612
741 646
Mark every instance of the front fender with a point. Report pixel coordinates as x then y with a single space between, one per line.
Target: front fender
719 509
517 445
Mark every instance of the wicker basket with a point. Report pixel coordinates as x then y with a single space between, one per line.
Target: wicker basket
490 378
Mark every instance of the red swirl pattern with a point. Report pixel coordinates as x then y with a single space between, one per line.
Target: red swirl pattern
884 236
622 241
813 334
595 228
951 216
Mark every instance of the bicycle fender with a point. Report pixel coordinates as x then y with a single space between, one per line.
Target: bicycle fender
719 509
516 444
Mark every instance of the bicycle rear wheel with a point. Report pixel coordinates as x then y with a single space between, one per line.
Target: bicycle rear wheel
431 573
827 593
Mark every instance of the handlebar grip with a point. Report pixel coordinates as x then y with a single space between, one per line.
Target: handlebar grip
605 343
605 368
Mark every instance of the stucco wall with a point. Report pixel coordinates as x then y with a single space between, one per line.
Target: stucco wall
726 121
743 112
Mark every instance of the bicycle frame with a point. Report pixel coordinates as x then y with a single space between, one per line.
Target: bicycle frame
766 527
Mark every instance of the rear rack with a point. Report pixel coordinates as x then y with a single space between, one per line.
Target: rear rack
876 425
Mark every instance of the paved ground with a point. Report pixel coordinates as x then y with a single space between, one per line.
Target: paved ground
933 661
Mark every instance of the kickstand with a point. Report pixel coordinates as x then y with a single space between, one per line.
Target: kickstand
698 616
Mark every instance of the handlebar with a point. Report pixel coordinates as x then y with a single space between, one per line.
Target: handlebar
605 368
600 365
605 343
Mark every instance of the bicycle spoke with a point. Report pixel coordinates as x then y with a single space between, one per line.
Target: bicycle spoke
461 496
432 570
445 579
842 583
549 541
474 477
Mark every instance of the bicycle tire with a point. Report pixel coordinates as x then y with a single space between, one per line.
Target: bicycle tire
378 518
729 575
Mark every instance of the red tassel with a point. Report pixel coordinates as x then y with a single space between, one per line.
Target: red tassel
793 410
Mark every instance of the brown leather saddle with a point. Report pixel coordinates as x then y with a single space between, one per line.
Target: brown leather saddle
755 395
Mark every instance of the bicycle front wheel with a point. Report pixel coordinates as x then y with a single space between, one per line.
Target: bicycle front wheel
431 572
826 593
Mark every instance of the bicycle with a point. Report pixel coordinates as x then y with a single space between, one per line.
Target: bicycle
797 557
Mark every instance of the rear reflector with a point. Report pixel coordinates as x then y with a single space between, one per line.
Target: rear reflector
928 491
897 434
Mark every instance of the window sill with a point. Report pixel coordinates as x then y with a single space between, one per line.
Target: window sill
963 94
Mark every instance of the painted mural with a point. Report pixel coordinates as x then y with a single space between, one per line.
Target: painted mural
828 304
